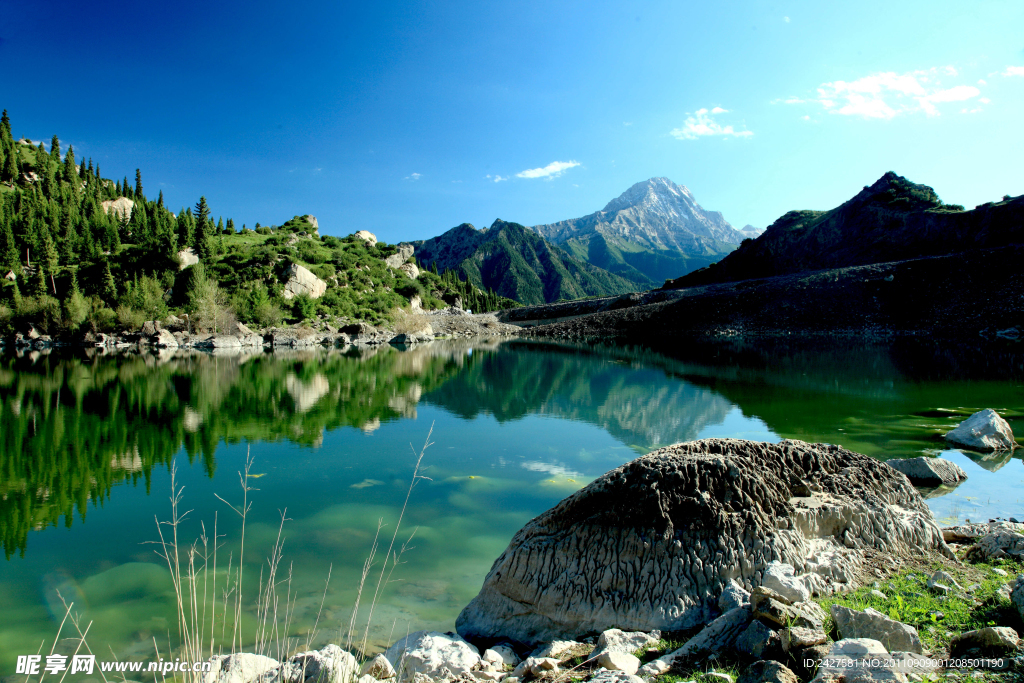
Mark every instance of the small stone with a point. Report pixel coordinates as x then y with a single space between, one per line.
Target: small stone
616 640
767 671
995 640
879 594
718 677
797 638
379 667
941 577
1000 572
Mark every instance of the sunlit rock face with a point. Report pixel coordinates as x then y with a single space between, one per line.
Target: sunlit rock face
653 543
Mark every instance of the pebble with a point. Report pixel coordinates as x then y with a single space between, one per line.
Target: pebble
1000 572
879 594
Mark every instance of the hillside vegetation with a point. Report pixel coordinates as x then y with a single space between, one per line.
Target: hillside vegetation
79 252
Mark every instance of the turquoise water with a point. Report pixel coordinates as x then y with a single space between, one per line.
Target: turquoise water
89 443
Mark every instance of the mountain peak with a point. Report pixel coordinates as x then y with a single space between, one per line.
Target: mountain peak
649 192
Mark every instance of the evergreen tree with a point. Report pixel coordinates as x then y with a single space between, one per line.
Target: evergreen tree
82 169
54 150
11 171
124 187
40 288
8 250
109 292
5 123
160 200
138 184
118 188
204 228
70 172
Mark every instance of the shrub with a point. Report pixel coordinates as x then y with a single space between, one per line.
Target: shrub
130 319
304 307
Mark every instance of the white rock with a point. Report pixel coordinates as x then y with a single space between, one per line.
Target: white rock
187 257
941 577
879 594
718 676
410 269
484 675
379 667
782 579
607 676
872 624
616 640
857 659
238 668
426 652
122 207
619 661
365 678
368 237
733 595
536 666
983 431
302 281
330 664
502 655
405 250
1000 572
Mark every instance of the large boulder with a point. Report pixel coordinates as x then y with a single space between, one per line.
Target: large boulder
301 281
870 623
368 237
653 544
983 431
405 250
238 668
991 640
427 652
929 471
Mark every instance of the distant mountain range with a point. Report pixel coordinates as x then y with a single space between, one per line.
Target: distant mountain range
517 263
891 220
653 231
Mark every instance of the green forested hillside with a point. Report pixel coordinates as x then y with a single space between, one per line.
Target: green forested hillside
79 252
517 263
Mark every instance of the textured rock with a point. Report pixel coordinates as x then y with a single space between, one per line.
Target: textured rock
671 529
501 655
983 431
781 578
767 671
121 207
427 652
330 663
893 635
165 340
301 281
929 471
607 676
419 336
410 269
368 237
619 661
857 659
405 250
758 641
238 668
616 640
1003 540
733 596
991 640
715 637
536 666
941 577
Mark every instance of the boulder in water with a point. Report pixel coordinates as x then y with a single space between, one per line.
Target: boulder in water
654 543
929 471
983 431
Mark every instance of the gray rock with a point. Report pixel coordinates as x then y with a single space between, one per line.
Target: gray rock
715 637
417 337
608 676
929 471
329 664
224 341
758 641
796 638
302 281
536 666
767 671
983 431
998 544
238 668
427 652
733 596
501 655
991 640
941 577
405 250
1017 595
616 640
860 660
721 510
165 340
869 623
410 269
187 257
776 611
619 661
121 207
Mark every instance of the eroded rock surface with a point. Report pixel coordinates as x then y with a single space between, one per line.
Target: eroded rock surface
653 543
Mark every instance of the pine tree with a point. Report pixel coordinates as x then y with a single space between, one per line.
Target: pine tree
82 169
69 165
124 187
160 200
11 171
109 288
40 288
118 188
54 150
5 123
203 229
138 184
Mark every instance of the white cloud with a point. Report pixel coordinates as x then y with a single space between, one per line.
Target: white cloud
497 178
627 123
552 170
1014 71
785 19
888 94
413 176
984 100
982 81
700 124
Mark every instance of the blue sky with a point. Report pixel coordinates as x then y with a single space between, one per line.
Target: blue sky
407 119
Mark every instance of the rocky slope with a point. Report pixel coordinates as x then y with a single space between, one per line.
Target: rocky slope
891 220
653 231
516 263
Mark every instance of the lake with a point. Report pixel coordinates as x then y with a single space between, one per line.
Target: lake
89 441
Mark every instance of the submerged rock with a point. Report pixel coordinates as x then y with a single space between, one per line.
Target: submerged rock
655 542
929 471
983 431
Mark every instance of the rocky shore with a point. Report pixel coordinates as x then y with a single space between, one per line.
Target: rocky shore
176 333
724 561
